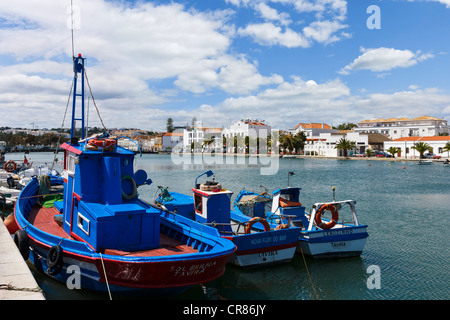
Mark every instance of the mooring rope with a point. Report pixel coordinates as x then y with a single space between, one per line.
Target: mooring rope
9 286
307 271
106 278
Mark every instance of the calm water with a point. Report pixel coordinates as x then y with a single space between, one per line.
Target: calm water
406 211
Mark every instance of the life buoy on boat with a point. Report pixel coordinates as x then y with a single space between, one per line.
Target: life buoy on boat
252 221
106 144
54 260
21 241
334 216
10 166
132 195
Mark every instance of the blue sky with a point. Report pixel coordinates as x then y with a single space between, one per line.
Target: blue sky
282 61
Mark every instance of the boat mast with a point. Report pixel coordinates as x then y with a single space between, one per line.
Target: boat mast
78 67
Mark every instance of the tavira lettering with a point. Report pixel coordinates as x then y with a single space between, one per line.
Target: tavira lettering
267 254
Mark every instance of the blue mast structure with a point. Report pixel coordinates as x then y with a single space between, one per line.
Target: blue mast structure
78 67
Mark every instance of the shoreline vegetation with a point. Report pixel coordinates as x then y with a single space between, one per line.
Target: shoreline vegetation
264 155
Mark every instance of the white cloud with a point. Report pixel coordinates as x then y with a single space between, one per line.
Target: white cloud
278 28
384 59
129 49
269 34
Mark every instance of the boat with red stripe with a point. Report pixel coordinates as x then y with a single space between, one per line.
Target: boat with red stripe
90 225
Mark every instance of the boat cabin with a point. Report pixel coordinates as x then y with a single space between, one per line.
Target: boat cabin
212 206
286 203
100 190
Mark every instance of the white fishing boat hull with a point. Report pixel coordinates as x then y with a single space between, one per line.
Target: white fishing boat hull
334 243
265 258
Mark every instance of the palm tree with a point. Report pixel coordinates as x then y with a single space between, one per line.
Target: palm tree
421 147
208 142
393 150
292 142
447 148
344 144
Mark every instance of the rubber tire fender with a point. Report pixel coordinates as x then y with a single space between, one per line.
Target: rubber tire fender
54 260
21 241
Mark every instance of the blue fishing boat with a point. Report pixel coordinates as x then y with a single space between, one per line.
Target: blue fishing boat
92 224
257 243
319 237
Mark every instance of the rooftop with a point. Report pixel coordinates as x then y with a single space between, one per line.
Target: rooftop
401 119
430 138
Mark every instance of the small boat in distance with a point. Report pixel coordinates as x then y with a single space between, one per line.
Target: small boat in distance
117 242
425 162
258 244
319 237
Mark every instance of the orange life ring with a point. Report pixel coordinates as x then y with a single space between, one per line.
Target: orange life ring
106 144
334 216
10 166
253 220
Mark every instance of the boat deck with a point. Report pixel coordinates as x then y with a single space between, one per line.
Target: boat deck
43 219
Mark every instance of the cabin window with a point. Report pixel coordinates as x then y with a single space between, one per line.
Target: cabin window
70 163
198 203
83 223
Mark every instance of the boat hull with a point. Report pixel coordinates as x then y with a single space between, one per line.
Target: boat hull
170 277
260 249
334 243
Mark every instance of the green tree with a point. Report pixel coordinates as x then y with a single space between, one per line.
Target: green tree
422 147
169 125
345 144
207 142
393 150
346 126
447 148
291 143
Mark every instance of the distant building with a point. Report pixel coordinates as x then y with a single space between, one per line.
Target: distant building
405 144
313 129
253 129
395 128
195 139
325 143
172 141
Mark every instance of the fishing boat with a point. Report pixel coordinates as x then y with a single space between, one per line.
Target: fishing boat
425 162
319 237
258 245
102 232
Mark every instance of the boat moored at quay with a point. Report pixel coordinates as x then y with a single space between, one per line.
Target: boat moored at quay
99 225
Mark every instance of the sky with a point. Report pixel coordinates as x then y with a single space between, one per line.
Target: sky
281 61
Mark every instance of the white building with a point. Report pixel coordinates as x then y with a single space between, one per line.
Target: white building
172 141
247 128
194 139
325 144
406 143
395 128
313 129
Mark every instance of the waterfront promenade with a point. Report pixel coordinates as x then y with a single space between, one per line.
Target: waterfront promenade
16 280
